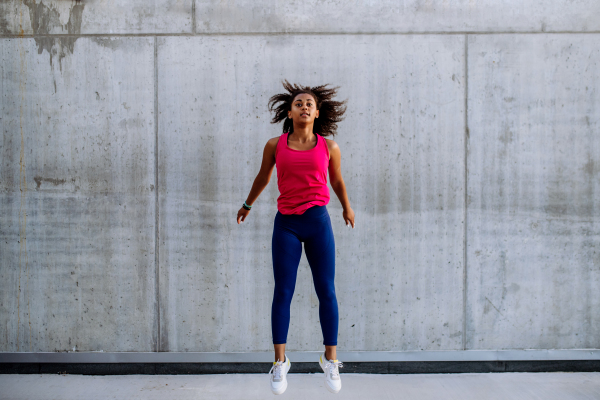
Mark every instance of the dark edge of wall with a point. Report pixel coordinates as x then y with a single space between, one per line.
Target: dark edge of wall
409 367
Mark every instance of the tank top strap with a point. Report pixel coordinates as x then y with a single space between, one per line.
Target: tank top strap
282 142
324 145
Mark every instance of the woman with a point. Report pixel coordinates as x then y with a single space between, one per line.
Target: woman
303 158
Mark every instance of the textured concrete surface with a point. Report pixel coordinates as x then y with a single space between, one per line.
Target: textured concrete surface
521 386
534 183
77 201
83 149
41 17
399 272
409 16
242 16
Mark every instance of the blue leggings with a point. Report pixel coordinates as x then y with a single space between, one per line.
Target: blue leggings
289 231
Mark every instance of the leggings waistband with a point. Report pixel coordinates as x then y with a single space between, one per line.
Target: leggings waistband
311 213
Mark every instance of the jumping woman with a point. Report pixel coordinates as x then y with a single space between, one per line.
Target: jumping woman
303 157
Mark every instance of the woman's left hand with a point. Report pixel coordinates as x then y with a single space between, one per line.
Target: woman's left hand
348 215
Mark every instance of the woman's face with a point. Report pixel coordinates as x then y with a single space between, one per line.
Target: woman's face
304 109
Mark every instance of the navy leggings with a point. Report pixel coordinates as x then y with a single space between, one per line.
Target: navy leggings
289 231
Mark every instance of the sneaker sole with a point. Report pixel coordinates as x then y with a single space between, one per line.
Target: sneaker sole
281 392
327 384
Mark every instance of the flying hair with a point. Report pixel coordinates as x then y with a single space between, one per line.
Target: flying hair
330 111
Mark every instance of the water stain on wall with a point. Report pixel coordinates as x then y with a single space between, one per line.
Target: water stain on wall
109 43
507 137
38 180
591 168
4 29
44 21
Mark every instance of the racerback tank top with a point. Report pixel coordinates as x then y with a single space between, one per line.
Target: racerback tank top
301 176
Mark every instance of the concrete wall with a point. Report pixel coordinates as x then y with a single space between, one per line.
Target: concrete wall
132 131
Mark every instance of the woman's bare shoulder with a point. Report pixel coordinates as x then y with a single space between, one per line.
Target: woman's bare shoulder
272 143
271 146
331 144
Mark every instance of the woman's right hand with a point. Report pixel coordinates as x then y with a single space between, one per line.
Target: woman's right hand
242 214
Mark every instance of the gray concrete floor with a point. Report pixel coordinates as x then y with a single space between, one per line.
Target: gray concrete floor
513 386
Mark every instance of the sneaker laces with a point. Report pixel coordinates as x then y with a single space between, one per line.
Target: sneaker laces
333 367
278 367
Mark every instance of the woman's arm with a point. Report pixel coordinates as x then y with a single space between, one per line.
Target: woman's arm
337 182
262 179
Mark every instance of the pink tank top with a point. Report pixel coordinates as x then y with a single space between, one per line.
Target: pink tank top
301 176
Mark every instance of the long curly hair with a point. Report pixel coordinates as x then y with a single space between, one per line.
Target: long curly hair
330 111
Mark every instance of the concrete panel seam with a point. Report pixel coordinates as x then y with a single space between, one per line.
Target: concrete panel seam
425 33
466 94
194 17
156 205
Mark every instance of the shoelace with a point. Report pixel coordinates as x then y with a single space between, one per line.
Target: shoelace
333 366
278 367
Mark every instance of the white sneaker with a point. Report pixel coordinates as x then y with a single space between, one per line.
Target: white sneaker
333 383
278 374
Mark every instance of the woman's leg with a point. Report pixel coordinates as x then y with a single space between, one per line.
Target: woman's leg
279 352
320 253
286 252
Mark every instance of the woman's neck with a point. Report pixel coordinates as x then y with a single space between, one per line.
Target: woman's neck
303 133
